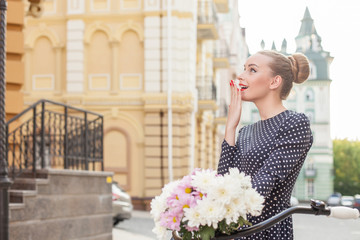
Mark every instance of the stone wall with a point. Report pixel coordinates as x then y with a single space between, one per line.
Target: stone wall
65 205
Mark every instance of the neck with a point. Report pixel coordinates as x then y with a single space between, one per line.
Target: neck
269 107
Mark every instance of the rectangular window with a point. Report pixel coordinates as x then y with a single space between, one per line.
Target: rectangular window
310 187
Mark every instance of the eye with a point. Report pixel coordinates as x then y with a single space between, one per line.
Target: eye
252 70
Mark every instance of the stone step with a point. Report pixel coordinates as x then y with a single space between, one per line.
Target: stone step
74 182
16 206
58 206
40 173
28 183
94 227
17 196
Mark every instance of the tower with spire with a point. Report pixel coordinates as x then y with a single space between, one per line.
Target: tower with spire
313 99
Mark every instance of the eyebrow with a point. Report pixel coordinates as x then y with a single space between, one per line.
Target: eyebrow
251 64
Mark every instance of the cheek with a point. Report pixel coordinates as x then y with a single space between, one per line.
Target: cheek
259 85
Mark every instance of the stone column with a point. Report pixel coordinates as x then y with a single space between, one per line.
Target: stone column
75 56
75 47
58 75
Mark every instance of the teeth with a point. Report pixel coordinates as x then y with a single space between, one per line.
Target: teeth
244 87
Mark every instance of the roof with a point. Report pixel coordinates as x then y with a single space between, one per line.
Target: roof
307 25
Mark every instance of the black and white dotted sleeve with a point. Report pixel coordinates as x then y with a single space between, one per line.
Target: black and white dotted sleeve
292 141
229 154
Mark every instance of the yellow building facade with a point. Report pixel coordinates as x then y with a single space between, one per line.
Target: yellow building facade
110 57
14 58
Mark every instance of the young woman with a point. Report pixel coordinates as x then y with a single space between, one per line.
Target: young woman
272 150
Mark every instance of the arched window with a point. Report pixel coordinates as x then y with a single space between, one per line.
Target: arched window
43 62
309 95
131 61
99 62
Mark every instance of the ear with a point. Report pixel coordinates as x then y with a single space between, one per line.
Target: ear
275 82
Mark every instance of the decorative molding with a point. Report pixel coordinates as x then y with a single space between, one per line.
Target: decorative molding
97 26
42 31
37 76
107 9
138 129
75 6
131 75
106 75
54 10
136 8
130 25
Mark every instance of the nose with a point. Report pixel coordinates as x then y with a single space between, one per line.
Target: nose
240 76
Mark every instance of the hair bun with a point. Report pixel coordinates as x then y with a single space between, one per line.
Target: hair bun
300 67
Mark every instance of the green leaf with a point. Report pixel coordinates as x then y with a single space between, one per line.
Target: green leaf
207 233
187 236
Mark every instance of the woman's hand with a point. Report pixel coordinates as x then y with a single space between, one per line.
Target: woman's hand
234 114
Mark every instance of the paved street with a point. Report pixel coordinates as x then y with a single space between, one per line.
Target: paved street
306 227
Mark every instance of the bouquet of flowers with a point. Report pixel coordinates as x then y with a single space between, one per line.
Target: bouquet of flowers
204 202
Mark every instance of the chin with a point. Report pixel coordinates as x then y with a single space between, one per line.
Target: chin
246 99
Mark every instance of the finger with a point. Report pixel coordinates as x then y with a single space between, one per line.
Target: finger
232 91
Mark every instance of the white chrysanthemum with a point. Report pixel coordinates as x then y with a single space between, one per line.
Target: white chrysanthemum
158 206
194 217
231 214
239 206
203 180
212 211
160 231
222 191
253 202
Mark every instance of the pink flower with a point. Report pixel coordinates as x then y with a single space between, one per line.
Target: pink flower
171 220
191 229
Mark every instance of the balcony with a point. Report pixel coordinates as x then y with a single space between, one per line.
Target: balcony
221 55
206 93
310 173
207 27
222 6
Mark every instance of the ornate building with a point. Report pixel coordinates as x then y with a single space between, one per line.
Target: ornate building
313 99
110 56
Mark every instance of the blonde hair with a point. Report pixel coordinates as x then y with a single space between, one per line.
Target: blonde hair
294 68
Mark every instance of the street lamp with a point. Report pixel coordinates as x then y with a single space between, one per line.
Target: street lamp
4 180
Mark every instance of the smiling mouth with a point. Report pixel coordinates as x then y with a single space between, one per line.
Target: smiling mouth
243 87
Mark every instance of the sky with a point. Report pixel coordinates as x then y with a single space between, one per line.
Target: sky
338 24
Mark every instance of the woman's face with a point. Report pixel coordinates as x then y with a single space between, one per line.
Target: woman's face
257 76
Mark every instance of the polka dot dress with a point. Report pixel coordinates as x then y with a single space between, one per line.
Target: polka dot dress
272 152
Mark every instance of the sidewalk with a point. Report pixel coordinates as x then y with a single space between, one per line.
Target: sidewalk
139 227
119 234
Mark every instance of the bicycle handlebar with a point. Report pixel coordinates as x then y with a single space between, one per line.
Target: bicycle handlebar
316 208
344 213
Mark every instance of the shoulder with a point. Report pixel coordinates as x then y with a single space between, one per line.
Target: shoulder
296 119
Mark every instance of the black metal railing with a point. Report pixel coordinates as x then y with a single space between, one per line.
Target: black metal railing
207 13
54 135
206 88
221 49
